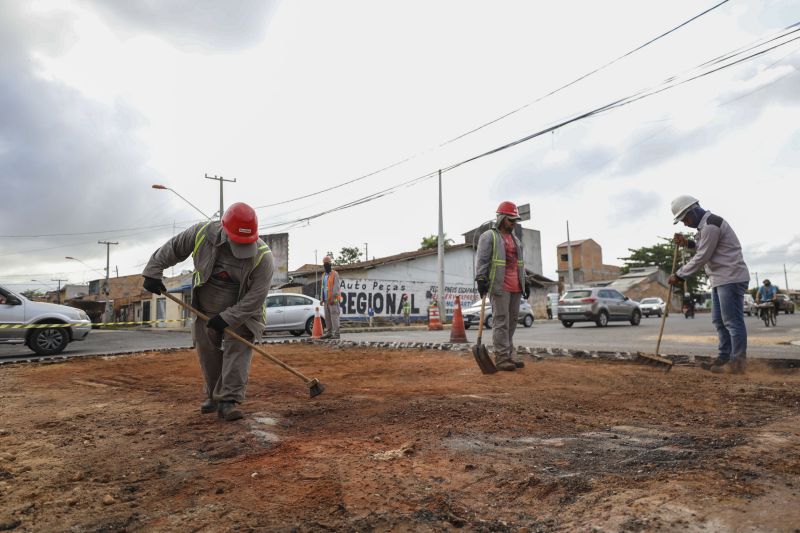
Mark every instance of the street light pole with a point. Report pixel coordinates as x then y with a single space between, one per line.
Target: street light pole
441 254
58 294
164 188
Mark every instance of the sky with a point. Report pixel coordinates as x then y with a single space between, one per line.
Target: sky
99 100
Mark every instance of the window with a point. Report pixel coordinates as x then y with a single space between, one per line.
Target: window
565 257
572 295
161 309
297 300
276 301
616 295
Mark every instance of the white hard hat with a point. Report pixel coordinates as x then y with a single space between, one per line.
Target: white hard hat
681 205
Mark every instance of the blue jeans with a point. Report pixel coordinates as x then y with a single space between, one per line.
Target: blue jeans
727 314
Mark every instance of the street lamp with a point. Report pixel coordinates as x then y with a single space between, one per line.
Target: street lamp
84 264
164 188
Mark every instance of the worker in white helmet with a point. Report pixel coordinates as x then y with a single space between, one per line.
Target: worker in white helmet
719 251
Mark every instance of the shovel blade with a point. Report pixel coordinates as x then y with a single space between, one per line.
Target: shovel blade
485 362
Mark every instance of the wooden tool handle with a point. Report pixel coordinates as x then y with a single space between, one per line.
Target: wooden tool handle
239 338
480 326
669 300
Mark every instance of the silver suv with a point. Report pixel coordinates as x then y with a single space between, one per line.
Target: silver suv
17 310
599 305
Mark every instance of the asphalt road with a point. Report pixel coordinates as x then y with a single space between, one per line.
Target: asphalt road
681 336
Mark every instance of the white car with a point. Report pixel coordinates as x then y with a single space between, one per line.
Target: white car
293 313
17 310
472 314
652 306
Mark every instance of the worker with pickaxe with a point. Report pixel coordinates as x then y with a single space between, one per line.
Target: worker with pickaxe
233 272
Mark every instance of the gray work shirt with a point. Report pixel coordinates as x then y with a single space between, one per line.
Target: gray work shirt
719 250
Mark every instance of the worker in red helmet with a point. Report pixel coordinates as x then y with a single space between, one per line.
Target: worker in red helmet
233 270
500 273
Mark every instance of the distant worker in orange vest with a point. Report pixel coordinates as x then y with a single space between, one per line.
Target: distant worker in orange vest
331 296
500 273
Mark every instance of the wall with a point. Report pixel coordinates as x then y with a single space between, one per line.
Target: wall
279 245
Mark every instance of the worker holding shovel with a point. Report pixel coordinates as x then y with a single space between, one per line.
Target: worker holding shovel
500 273
233 272
719 250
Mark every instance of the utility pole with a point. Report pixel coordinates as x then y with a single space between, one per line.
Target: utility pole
569 259
785 278
221 180
317 288
366 251
107 314
58 294
756 273
441 254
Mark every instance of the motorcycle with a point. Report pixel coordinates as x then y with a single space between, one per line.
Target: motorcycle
688 310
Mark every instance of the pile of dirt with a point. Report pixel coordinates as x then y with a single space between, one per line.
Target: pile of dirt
402 441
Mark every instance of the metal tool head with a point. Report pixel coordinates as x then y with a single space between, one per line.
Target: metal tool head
315 388
483 359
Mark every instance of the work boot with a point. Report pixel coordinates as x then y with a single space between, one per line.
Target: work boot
228 411
505 364
325 336
208 406
715 366
518 364
335 337
739 365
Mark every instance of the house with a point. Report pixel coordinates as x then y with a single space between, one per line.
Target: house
380 283
645 282
587 263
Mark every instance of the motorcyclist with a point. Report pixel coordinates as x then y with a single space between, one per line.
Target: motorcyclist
768 293
688 305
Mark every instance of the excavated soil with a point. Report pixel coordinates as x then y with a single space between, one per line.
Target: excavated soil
401 441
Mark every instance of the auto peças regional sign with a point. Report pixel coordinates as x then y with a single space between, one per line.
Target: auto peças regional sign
385 296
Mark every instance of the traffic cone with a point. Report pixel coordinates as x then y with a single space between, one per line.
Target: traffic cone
316 332
457 332
434 322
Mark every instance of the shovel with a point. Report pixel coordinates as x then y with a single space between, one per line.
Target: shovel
315 388
656 359
479 350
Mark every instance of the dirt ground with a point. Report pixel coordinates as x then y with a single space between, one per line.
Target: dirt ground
401 441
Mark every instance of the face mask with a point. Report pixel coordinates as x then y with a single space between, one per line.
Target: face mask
327 267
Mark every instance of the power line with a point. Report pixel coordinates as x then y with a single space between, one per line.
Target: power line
498 119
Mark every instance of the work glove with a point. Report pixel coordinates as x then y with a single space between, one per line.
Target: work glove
217 322
675 280
483 287
680 239
156 286
526 292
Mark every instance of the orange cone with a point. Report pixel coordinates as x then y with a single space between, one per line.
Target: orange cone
457 332
316 332
434 322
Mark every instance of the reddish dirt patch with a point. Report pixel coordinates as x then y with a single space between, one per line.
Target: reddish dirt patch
400 440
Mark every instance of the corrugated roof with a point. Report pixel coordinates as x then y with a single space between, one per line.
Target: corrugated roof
382 260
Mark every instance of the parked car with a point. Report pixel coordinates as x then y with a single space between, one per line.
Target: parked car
652 306
787 305
599 305
749 304
472 314
18 310
293 313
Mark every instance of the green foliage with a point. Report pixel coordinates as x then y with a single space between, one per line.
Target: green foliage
432 241
660 255
32 294
347 256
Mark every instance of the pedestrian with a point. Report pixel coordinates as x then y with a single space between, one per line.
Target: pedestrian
371 315
331 296
500 273
719 251
405 304
233 270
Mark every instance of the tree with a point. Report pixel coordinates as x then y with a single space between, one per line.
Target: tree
660 255
432 241
32 294
347 256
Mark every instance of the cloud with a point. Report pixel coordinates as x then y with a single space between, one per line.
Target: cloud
633 204
193 25
68 164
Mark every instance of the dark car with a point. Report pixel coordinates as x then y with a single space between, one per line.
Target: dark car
600 305
787 305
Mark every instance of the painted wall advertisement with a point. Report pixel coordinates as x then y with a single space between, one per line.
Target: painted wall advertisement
384 297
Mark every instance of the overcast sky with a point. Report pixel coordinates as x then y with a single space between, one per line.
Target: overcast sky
101 99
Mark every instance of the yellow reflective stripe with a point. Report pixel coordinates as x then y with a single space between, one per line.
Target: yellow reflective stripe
200 237
260 256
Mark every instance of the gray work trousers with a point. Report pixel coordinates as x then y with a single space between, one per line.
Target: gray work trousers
332 312
225 361
505 311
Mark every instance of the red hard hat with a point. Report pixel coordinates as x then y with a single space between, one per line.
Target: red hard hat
509 209
241 223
